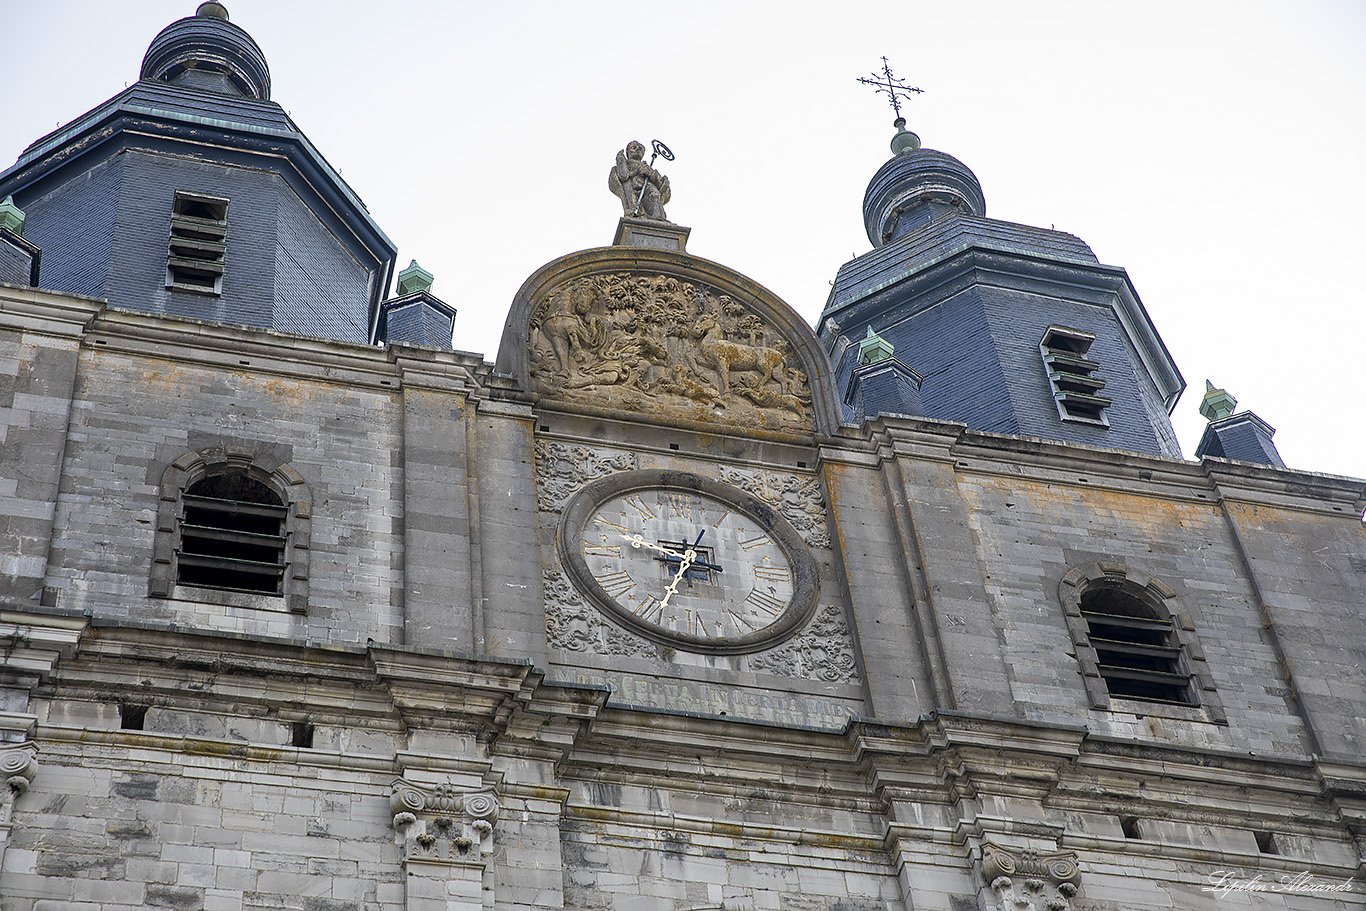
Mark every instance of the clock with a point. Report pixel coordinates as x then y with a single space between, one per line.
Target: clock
688 561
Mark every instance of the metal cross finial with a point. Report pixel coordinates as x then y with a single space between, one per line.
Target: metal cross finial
894 86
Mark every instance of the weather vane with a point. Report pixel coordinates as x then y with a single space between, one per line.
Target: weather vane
894 86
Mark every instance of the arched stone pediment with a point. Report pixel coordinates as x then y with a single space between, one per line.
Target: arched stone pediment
664 336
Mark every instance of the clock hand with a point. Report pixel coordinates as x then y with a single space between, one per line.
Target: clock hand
682 571
673 556
638 541
698 561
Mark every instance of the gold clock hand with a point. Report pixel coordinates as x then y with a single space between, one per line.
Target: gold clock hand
672 590
638 541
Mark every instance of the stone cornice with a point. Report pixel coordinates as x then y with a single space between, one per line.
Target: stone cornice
47 312
1137 473
211 345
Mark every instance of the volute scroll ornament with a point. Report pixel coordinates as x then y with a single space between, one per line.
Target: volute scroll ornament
1026 878
18 766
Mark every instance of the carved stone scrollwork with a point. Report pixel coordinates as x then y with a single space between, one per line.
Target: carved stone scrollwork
562 469
824 651
443 824
660 344
571 624
18 766
797 498
1023 879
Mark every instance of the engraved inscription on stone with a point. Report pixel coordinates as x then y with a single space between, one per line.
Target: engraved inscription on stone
661 345
736 702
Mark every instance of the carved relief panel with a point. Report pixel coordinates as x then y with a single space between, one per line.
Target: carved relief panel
662 344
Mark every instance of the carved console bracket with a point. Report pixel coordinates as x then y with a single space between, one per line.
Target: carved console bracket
1023 879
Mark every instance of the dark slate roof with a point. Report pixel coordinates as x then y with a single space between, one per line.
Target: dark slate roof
920 249
1242 436
175 103
177 111
210 109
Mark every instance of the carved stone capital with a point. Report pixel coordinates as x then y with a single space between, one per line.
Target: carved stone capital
1017 878
18 766
443 823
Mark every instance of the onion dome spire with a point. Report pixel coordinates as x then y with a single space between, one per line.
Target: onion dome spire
207 51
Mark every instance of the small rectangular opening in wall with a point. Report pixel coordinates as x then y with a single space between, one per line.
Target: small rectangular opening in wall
801 464
1266 842
674 447
545 428
132 717
301 735
1129 825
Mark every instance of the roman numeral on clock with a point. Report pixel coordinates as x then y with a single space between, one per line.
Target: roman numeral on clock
641 507
697 626
602 550
650 609
606 521
616 584
754 542
738 621
679 506
770 574
762 601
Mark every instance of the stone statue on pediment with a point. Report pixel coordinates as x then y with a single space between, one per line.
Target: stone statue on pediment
643 191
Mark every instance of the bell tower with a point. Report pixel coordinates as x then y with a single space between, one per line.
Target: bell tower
192 193
1013 329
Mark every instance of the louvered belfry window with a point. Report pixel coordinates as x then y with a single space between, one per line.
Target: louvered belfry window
1075 378
232 535
1136 651
198 249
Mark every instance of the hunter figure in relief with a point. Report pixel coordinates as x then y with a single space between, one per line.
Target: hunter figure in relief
658 342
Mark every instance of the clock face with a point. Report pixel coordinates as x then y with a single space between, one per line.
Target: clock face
687 561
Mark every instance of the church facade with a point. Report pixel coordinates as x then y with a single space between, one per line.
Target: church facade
679 604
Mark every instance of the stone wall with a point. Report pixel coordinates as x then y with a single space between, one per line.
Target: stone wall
416 734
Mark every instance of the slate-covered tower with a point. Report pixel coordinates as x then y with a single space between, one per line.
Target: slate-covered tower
1009 328
191 193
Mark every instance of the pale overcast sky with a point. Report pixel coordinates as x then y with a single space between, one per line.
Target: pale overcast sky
1213 149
